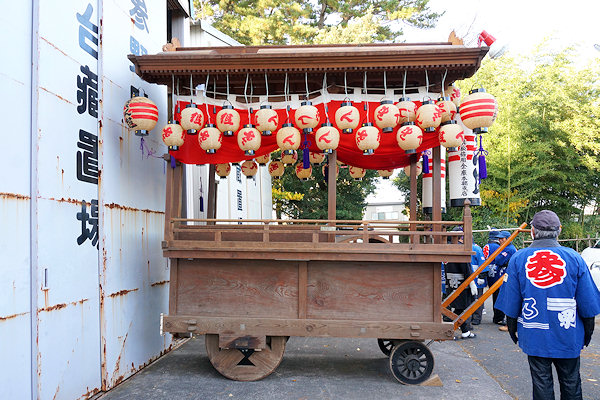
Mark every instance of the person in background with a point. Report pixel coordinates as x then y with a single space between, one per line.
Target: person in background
506 255
493 274
550 302
476 260
456 273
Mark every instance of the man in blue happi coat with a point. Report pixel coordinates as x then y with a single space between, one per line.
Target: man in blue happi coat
550 301
494 272
476 260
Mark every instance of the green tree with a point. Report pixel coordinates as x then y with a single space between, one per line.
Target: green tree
260 22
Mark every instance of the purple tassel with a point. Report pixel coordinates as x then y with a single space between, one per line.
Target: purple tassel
173 161
305 153
482 165
425 163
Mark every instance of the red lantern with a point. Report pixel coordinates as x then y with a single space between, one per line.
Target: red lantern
347 117
327 138
289 158
385 173
387 116
407 110
276 169
451 135
316 158
307 117
447 107
368 138
429 116
356 172
210 138
140 114
249 139
266 120
223 170
192 119
263 160
409 137
303 173
478 110
228 120
288 138
173 135
249 168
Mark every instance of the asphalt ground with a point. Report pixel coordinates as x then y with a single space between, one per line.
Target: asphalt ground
489 366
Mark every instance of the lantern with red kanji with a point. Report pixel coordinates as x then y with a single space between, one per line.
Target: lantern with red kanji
192 119
288 138
316 158
223 170
249 139
368 138
451 135
327 137
303 173
447 107
356 173
325 170
140 114
407 110
263 160
385 173
307 117
347 117
386 116
249 168
454 94
409 137
419 169
478 110
210 138
276 169
429 116
228 120
266 120
289 158
173 135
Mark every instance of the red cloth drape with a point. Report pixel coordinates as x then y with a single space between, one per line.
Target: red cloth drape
387 156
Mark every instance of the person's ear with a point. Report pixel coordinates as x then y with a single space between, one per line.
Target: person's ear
531 233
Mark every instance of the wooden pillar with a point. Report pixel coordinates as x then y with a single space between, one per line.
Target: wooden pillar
468 226
413 197
173 200
436 192
211 210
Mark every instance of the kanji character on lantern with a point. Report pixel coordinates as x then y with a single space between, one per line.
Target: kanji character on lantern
409 137
407 110
307 117
447 107
347 117
192 119
266 120
289 158
303 173
210 138
263 160
288 138
140 114
454 93
368 138
173 135
387 116
276 169
249 139
316 158
429 116
249 168
451 135
228 120
327 138
356 173
223 170
385 173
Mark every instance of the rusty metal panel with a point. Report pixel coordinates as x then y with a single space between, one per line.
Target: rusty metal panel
134 277
15 170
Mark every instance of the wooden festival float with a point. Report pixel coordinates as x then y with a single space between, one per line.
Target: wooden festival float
249 287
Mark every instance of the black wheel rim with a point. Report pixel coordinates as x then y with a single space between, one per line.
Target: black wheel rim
386 346
411 363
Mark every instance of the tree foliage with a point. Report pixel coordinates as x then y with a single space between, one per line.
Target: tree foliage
260 22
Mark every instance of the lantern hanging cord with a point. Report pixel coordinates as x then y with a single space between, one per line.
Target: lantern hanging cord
426 81
267 86
325 97
176 103
227 87
205 96
385 83
173 95
285 96
306 83
246 89
191 88
366 97
444 83
404 85
345 84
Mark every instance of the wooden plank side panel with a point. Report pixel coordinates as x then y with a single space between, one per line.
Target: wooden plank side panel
370 291
249 288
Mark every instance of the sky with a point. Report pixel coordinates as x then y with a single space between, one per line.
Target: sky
520 24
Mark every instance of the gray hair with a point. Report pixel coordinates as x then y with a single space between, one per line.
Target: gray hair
540 234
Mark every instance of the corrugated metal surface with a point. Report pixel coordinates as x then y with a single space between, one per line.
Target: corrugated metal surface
134 276
15 81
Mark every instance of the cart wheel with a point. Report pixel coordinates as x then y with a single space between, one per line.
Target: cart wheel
411 362
386 346
245 365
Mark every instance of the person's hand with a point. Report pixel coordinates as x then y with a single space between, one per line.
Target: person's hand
480 281
588 330
473 288
511 324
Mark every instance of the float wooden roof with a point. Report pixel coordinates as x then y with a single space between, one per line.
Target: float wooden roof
352 60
